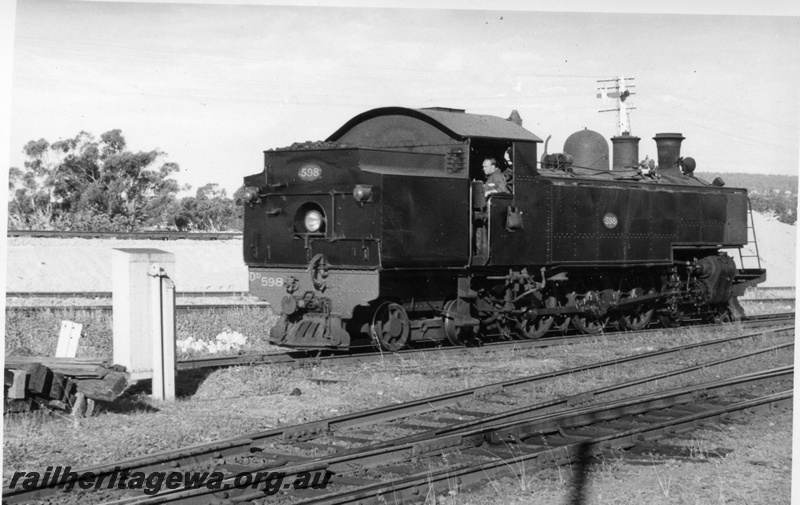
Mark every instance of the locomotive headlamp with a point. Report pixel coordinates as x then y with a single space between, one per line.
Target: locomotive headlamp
313 221
362 193
309 218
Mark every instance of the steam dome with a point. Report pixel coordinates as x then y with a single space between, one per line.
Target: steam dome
588 148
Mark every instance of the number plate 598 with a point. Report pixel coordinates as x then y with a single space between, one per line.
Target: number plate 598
272 282
266 281
310 172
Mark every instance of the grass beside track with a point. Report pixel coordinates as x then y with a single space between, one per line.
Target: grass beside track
241 400
36 334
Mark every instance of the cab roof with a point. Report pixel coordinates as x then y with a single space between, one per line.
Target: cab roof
454 122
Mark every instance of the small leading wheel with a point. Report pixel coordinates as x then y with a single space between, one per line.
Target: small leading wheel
536 328
454 334
639 317
390 327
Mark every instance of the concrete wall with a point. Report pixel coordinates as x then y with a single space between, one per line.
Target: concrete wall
67 265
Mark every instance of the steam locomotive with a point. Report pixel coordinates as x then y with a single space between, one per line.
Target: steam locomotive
383 233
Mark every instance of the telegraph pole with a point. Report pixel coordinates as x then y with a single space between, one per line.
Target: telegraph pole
620 89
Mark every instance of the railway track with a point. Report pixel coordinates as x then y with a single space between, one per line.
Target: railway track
28 309
755 295
109 294
139 235
360 451
367 353
234 305
466 459
301 359
767 300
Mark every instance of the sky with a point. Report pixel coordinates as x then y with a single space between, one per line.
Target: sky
214 85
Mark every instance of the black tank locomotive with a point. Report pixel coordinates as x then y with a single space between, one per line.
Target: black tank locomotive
371 235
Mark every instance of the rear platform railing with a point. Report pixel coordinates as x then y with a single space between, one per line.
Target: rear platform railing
752 242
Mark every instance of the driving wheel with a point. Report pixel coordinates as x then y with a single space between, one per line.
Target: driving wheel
390 327
536 328
640 316
590 324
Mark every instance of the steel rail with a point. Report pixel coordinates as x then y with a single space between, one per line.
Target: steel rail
223 306
108 308
137 235
591 396
766 317
240 294
400 451
410 487
514 416
109 294
301 359
767 300
237 445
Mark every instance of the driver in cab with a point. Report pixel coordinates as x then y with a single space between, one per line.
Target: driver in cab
495 184
495 181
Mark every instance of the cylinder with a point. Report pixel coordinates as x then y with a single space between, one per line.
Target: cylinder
626 151
669 150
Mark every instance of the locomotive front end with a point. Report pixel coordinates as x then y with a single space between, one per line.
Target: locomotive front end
311 242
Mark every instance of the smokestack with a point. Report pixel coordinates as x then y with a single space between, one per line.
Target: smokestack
515 118
626 151
669 151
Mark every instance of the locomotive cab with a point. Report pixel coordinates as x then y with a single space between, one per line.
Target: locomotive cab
447 232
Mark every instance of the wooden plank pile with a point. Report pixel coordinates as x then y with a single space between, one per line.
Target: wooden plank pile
64 384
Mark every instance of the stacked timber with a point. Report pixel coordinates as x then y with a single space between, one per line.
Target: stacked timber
65 384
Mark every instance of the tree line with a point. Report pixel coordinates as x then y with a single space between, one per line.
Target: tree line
90 184
769 194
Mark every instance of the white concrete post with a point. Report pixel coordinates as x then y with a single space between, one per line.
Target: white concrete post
162 345
133 318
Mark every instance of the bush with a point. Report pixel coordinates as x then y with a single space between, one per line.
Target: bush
769 194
